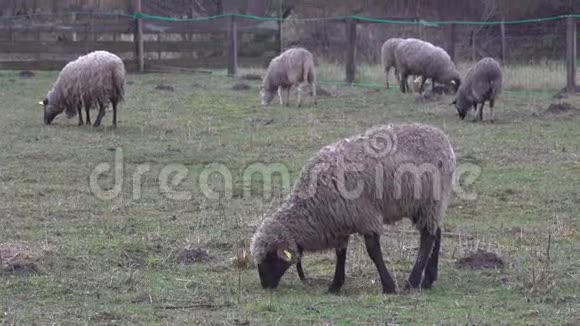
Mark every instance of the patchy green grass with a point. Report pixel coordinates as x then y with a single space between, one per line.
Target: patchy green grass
146 257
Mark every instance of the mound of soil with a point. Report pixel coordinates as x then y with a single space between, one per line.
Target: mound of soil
241 87
26 74
480 259
193 255
252 77
559 108
163 87
19 259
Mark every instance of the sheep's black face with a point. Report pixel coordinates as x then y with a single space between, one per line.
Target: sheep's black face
50 112
271 270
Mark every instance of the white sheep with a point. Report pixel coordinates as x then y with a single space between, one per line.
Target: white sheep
355 186
95 79
294 67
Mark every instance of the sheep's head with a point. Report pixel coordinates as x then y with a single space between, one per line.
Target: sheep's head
462 106
50 111
274 264
266 95
455 83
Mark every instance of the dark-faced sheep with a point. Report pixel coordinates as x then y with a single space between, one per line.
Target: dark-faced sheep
388 57
92 80
355 186
294 67
483 82
420 58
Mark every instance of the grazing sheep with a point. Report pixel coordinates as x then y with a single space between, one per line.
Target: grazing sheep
355 186
293 67
416 57
388 57
483 82
91 80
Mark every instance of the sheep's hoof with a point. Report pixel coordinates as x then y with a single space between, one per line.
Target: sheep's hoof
390 291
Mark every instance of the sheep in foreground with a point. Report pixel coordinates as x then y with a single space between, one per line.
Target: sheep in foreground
92 80
294 67
355 186
388 57
416 57
483 82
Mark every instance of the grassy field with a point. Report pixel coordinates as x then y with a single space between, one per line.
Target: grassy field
151 256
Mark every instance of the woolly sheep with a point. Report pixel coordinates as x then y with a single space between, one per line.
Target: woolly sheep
483 82
355 186
293 67
94 79
416 57
388 57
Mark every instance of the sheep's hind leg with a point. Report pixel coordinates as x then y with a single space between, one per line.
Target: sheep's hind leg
339 271
299 266
87 112
481 111
114 103
373 246
491 103
431 269
80 112
299 90
100 115
425 250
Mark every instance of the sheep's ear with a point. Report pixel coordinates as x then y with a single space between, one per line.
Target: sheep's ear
285 254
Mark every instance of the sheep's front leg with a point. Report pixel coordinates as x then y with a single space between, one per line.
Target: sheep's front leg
422 87
299 266
425 250
404 85
387 76
280 95
373 245
339 272
288 96
80 110
431 269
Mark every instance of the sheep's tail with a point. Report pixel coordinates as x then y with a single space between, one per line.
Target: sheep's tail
118 82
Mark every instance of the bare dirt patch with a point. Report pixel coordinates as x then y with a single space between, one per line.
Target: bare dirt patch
19 259
479 260
26 74
190 256
241 87
251 77
163 87
559 108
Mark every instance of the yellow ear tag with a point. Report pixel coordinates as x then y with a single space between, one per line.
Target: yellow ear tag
41 103
288 254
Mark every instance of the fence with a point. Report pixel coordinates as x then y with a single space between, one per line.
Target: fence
150 42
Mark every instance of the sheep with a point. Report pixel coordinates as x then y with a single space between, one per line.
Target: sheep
416 57
355 186
293 67
388 57
94 79
483 82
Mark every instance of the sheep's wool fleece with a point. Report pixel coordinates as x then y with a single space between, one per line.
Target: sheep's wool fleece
319 212
289 68
416 57
90 80
388 52
483 79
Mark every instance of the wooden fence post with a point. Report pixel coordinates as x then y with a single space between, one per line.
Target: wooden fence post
451 42
350 50
571 54
232 46
138 37
503 42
